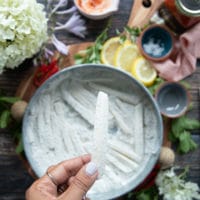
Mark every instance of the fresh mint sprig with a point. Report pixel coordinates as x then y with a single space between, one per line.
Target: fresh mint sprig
129 33
92 53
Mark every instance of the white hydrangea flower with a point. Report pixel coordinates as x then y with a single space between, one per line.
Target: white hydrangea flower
23 30
173 187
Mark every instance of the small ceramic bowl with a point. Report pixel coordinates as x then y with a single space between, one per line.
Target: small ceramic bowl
156 43
172 99
97 13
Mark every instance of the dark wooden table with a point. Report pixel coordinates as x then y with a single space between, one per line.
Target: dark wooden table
14 177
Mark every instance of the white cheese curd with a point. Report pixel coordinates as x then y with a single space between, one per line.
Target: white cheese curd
62 125
154 47
100 132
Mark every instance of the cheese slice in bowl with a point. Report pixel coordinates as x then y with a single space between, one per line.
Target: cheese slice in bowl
100 131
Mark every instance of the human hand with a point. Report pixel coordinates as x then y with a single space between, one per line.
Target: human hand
68 180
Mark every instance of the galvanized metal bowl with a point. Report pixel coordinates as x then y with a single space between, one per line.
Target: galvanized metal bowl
114 79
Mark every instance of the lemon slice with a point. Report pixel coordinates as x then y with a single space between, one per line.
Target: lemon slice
143 71
125 55
108 50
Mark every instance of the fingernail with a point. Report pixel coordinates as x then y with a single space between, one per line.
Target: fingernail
91 168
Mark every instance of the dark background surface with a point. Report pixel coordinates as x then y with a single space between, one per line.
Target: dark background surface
14 177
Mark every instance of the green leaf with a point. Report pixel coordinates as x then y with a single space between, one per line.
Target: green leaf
172 137
185 84
178 125
191 124
10 100
92 53
132 32
184 173
184 123
180 133
130 195
78 59
5 118
122 39
20 148
186 143
191 105
144 196
156 84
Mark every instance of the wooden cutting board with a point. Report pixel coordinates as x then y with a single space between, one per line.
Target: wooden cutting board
139 16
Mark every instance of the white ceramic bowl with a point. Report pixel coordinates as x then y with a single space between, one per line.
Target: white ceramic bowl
45 129
98 15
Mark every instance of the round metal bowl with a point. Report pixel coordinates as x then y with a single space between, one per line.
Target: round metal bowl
40 134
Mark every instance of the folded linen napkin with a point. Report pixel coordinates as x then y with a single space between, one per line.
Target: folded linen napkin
182 62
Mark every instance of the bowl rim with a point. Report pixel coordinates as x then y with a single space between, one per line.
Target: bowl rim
188 100
146 55
151 160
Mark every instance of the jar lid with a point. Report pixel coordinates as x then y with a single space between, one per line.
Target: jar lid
189 7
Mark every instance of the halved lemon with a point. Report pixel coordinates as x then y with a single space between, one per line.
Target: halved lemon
108 50
143 71
125 55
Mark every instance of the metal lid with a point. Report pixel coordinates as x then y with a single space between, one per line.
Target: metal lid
189 7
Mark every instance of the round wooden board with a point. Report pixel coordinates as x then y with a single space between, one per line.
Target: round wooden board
27 88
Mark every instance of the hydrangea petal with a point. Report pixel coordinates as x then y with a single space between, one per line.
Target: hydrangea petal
23 30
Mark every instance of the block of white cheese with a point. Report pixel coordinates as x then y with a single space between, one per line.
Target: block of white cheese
100 131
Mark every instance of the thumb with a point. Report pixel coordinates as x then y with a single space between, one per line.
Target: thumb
81 183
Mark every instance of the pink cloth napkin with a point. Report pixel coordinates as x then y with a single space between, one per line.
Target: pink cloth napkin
182 62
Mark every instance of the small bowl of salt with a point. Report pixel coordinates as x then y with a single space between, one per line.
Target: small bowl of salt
156 43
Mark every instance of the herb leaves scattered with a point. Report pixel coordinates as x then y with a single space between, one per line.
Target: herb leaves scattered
5 114
132 33
92 53
155 85
6 119
180 133
144 194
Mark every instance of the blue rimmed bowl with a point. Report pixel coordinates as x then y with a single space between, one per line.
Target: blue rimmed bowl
156 43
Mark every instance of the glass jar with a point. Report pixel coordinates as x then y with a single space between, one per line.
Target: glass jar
186 12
